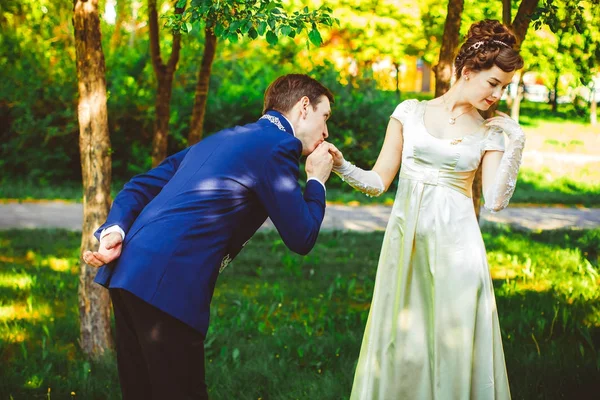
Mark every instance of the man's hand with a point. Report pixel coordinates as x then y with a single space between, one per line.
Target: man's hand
109 250
319 163
338 157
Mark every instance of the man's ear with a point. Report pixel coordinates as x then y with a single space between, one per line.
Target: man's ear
305 103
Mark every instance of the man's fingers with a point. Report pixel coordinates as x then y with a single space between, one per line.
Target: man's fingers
112 242
90 259
103 258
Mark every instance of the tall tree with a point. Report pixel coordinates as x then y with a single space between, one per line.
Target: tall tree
202 85
164 76
519 27
232 19
120 10
578 36
94 148
443 69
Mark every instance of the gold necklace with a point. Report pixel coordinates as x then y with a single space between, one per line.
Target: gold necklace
452 120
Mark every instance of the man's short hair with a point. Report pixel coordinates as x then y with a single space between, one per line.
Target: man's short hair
287 90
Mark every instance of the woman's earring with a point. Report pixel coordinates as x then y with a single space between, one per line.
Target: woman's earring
466 77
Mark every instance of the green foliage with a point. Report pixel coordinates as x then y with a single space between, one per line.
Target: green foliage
251 18
38 98
290 327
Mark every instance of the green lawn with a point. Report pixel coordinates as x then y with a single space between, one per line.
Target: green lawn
288 327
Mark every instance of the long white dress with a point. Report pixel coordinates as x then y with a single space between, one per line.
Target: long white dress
432 331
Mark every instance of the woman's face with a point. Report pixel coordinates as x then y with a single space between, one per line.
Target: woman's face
484 88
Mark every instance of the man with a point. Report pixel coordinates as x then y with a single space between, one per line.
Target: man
171 231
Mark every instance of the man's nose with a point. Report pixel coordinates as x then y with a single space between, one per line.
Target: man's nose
325 132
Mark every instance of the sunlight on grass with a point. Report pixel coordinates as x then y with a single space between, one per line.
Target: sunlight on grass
13 333
280 320
58 264
21 312
16 281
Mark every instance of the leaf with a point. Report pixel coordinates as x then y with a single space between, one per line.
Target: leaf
181 3
234 26
262 27
252 33
271 38
246 27
219 28
188 26
285 30
233 37
315 37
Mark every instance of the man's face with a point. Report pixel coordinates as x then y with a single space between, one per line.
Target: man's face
312 127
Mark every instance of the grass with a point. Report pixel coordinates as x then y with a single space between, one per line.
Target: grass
289 327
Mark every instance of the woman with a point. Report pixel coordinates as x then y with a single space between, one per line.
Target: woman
433 330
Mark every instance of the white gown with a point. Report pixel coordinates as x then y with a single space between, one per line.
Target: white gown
432 331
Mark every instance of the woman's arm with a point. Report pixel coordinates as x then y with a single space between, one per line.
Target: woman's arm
378 180
500 169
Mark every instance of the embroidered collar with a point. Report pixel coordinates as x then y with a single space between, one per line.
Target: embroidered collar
280 121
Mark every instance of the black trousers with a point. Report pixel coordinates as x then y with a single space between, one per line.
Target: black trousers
159 357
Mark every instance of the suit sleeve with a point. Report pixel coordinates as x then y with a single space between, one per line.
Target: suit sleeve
297 217
140 191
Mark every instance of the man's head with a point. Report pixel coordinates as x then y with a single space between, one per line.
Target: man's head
306 103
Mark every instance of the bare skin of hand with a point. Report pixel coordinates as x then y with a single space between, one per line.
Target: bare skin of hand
109 250
319 163
338 157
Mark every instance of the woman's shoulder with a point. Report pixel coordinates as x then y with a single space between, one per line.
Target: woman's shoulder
405 108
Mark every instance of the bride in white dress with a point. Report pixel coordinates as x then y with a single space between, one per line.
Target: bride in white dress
432 331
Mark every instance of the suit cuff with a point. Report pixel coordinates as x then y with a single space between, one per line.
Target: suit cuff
111 229
315 179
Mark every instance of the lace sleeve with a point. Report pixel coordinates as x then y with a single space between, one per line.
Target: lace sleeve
368 182
498 194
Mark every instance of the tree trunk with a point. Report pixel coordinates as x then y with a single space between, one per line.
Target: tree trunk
522 19
593 106
554 99
519 27
94 148
115 40
208 56
164 76
443 69
398 93
515 110
477 189
161 122
506 12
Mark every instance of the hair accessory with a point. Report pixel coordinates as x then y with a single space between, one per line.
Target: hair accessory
477 45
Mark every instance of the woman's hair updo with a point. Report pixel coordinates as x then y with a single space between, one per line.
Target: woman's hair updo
488 43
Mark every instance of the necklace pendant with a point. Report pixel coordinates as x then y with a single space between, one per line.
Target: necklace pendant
451 121
456 141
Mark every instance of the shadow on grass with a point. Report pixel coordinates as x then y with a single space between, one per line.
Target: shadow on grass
290 327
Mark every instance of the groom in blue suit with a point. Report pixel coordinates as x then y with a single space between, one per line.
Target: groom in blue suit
172 230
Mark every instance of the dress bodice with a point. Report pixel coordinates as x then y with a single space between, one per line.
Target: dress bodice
445 162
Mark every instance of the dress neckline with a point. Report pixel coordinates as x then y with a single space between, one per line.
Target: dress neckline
459 138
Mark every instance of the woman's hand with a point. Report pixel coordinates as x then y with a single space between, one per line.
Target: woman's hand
338 157
507 124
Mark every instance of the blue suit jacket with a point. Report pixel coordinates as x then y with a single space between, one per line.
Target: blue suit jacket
187 218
